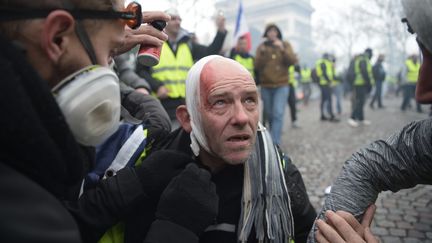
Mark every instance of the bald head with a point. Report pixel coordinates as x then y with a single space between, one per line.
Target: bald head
222 105
223 72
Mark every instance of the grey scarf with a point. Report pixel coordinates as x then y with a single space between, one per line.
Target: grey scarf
265 201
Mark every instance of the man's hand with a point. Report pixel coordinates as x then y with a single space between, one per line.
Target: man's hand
220 22
146 34
279 44
157 170
142 91
162 92
343 227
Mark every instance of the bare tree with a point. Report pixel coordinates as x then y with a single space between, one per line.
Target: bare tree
194 8
376 23
388 29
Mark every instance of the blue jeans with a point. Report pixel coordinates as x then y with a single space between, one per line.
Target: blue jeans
275 100
338 92
408 94
326 101
377 95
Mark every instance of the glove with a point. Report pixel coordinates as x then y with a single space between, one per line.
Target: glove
157 170
190 200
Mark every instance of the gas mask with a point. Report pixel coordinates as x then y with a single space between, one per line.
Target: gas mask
90 102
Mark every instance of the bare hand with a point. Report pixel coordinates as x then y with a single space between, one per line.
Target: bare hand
278 43
162 92
142 91
343 227
146 34
220 22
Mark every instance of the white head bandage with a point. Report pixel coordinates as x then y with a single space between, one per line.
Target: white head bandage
193 103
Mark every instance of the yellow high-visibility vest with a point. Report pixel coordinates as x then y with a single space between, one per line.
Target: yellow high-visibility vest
291 76
359 80
306 75
329 69
248 63
413 70
172 69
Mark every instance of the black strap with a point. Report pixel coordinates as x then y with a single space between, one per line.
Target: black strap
85 41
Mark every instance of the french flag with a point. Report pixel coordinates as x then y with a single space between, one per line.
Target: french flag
241 28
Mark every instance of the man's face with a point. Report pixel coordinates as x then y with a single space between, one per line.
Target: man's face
105 36
272 34
229 110
173 26
107 40
242 45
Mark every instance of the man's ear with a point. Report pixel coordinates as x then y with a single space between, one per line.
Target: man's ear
184 118
57 33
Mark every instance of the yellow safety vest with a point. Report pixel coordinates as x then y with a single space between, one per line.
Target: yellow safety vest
359 81
329 68
413 70
334 81
306 75
116 233
172 69
248 63
291 76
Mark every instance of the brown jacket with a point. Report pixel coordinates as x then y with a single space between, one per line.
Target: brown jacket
272 64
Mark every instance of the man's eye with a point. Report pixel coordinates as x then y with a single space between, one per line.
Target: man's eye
219 103
250 101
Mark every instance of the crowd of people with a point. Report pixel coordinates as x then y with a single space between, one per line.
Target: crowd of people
89 155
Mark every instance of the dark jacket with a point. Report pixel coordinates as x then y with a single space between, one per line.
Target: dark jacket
127 74
43 156
272 63
229 186
378 71
39 155
32 214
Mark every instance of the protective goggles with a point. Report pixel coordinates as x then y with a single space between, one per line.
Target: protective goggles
132 15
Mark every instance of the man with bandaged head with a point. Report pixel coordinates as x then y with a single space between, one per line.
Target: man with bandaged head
401 161
262 196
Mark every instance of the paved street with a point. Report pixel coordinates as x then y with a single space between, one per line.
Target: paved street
320 148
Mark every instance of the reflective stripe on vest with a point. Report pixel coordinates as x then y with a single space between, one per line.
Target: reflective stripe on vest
126 151
329 70
412 71
248 63
172 69
359 81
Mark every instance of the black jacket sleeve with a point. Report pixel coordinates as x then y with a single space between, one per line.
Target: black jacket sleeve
200 51
324 70
146 73
149 109
303 212
30 213
113 199
162 231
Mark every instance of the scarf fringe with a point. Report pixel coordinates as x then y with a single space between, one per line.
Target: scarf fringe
269 214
